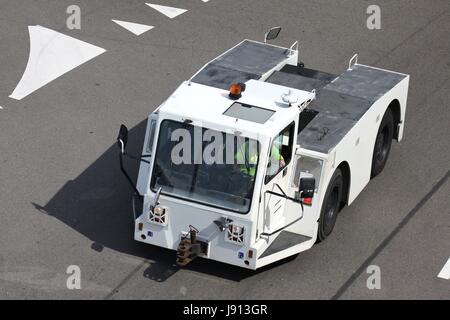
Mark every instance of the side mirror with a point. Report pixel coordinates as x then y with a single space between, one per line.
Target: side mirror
122 139
307 187
272 34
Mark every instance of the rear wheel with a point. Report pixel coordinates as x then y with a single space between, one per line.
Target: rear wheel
330 206
383 144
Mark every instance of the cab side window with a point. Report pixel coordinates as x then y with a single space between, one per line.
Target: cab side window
280 152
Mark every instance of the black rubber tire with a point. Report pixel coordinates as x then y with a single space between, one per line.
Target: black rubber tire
330 206
383 143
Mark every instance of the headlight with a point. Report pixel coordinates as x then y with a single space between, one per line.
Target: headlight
159 211
235 234
237 230
158 216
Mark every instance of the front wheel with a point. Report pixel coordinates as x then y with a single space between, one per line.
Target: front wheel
330 206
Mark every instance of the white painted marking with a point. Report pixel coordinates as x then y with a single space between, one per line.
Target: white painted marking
135 28
170 12
445 273
1 107
52 54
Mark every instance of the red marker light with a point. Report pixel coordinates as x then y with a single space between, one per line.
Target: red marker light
308 201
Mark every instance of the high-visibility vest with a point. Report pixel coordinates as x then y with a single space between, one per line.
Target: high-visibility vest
250 167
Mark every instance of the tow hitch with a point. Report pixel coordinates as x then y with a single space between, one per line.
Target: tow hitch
190 247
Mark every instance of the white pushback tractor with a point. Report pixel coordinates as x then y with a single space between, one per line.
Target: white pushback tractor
331 134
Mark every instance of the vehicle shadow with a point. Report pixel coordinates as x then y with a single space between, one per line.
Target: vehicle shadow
97 204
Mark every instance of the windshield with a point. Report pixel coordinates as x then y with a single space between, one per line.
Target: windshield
206 166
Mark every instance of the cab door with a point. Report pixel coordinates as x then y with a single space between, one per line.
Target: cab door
276 179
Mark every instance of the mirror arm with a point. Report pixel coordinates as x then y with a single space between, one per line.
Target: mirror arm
125 173
122 145
138 159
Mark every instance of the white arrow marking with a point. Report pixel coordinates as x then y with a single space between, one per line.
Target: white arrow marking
52 54
170 12
445 272
135 28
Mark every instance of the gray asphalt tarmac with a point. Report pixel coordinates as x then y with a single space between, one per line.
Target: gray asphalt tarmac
64 201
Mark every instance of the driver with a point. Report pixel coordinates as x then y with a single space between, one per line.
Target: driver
248 164
247 158
276 161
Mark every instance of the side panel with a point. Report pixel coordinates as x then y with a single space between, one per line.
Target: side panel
356 148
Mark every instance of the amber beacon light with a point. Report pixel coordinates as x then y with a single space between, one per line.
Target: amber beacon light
236 90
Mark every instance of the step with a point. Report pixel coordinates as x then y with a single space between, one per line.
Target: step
284 241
